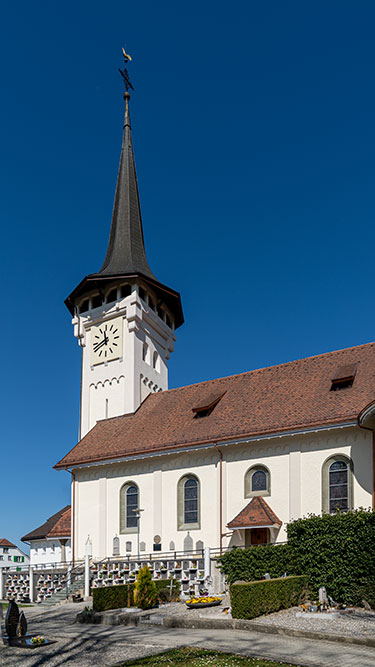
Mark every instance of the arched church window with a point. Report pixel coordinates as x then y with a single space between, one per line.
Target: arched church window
168 321
337 484
257 481
112 295
155 360
129 502
144 351
142 293
188 503
151 303
125 291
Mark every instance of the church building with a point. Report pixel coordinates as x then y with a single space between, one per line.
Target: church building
220 463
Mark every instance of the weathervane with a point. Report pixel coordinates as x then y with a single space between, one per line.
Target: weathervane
124 72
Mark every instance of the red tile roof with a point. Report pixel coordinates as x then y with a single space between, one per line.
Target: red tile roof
5 543
62 527
290 396
58 525
257 513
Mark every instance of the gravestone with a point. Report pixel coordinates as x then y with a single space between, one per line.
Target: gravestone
22 625
171 546
188 543
322 595
199 545
128 546
142 546
11 619
116 546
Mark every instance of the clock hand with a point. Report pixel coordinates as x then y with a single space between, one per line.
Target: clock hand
98 345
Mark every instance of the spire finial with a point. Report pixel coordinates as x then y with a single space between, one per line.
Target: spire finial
124 73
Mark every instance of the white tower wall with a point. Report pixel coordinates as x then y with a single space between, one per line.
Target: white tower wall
119 386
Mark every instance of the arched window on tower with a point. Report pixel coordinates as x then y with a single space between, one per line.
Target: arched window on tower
155 359
125 291
112 295
129 502
188 503
257 481
145 352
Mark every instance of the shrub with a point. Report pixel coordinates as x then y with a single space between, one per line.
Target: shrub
251 599
337 551
252 564
145 590
112 597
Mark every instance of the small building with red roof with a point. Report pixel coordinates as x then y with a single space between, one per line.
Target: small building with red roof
11 555
50 543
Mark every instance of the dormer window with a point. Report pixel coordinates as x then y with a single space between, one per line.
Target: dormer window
344 377
207 405
112 295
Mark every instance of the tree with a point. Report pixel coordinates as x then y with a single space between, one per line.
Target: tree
145 589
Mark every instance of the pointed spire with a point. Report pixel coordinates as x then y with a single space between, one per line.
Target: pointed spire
126 251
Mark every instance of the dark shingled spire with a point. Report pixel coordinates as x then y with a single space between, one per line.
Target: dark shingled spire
126 255
126 250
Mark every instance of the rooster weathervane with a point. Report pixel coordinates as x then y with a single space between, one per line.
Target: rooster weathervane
124 72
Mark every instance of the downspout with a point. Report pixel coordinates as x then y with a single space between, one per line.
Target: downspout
73 512
367 428
220 495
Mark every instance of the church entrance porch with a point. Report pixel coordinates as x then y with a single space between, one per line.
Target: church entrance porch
256 536
255 525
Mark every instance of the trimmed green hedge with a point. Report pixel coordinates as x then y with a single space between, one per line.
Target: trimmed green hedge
251 599
112 597
334 550
252 563
337 551
116 597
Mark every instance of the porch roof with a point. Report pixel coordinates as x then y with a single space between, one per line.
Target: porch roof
256 514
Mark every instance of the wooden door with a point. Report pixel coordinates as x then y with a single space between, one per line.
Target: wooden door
258 536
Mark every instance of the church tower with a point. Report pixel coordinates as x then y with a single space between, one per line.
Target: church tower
123 317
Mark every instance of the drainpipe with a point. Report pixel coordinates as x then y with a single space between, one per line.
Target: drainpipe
367 428
73 512
220 495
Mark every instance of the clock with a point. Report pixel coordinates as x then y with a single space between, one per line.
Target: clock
106 341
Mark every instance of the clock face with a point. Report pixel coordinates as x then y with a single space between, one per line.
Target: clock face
106 342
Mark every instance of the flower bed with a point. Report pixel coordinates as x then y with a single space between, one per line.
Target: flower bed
193 603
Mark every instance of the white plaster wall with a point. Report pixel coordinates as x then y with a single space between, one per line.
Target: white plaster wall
48 552
295 465
12 551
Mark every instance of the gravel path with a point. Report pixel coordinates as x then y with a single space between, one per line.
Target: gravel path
100 646
353 622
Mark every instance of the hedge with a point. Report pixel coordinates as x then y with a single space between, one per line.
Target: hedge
251 599
116 597
334 550
252 563
337 551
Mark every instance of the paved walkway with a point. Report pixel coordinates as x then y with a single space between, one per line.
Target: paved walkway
102 646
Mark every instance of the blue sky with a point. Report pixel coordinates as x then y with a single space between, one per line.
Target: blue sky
253 128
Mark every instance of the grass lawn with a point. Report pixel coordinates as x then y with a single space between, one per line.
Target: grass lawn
198 657
5 605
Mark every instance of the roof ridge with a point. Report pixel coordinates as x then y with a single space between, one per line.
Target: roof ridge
265 368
